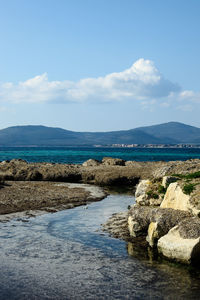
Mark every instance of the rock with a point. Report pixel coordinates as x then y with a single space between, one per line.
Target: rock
114 176
163 170
153 233
155 202
162 220
176 199
109 161
182 242
18 160
91 163
143 198
142 188
138 220
154 221
25 195
167 180
117 226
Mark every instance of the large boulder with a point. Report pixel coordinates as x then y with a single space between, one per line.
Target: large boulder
176 199
153 222
182 242
138 220
162 220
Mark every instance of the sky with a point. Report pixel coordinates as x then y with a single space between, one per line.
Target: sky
99 65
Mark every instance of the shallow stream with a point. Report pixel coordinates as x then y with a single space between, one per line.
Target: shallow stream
65 255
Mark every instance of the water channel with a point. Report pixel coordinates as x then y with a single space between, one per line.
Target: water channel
65 255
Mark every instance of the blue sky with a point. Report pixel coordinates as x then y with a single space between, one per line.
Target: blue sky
97 65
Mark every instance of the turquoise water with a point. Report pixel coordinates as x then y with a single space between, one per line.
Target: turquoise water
79 155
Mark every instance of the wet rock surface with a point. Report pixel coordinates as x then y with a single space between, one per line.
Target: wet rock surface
117 226
16 196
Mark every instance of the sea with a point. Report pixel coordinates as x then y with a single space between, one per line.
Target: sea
72 155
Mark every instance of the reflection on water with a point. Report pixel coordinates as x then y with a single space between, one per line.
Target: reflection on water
66 256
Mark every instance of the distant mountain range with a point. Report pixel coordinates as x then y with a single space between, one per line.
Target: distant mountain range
167 133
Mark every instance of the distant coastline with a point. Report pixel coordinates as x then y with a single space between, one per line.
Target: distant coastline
167 135
159 146
151 146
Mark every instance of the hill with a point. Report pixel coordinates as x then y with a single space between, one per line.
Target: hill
167 133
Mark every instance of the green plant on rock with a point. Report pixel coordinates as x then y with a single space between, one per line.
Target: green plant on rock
188 188
153 195
161 189
188 176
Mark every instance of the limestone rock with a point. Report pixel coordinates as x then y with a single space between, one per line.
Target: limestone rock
141 196
91 163
109 161
182 242
138 220
141 188
176 199
141 217
162 220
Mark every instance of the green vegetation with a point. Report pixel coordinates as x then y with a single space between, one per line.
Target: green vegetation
153 195
188 176
188 188
161 189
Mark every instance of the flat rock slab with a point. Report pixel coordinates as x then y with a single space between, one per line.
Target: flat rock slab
16 196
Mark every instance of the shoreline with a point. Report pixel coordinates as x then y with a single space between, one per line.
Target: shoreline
167 209
30 186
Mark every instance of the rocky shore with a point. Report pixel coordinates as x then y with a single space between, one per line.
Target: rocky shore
166 213
167 209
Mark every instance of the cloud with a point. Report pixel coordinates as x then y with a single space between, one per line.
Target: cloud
142 81
190 96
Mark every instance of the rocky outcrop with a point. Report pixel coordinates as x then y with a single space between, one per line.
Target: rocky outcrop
141 197
144 195
162 220
153 222
182 243
91 163
109 161
138 220
175 198
172 227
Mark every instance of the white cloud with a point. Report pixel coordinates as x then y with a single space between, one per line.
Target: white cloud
142 81
190 96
